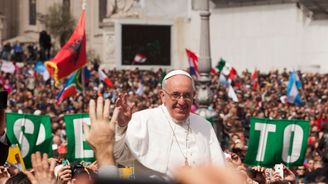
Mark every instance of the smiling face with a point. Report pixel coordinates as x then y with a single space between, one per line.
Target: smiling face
177 95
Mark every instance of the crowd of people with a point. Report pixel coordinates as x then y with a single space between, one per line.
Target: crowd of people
27 52
29 93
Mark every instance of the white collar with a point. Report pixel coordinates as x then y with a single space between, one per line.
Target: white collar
171 120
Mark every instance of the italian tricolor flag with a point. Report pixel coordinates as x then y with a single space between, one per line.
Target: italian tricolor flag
227 69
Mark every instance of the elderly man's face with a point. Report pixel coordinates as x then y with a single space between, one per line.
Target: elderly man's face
177 96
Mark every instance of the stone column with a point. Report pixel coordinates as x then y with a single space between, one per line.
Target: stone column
108 49
205 48
203 83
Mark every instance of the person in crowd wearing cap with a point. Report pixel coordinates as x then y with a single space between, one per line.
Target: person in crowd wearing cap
158 140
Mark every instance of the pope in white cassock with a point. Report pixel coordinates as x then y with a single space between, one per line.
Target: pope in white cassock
156 141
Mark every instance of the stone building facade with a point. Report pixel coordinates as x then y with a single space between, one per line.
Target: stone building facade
262 35
103 17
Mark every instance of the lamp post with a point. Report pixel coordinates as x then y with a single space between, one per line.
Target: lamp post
203 83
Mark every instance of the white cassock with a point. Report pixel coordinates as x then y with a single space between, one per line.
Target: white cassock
156 144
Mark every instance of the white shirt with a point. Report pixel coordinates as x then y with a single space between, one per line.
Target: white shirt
149 140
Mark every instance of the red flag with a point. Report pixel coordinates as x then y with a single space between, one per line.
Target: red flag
139 58
254 80
72 56
213 71
232 74
193 63
103 77
319 120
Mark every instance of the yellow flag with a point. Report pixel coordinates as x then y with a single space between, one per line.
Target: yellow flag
15 157
126 172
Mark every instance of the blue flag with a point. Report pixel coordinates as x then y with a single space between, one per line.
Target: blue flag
294 84
39 67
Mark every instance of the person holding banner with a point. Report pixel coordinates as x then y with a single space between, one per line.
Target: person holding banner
160 139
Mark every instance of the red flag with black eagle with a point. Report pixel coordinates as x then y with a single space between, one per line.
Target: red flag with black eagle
72 55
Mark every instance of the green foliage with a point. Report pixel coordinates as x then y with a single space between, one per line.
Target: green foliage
59 22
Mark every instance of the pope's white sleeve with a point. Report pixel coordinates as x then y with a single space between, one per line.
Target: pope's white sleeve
121 151
217 156
108 171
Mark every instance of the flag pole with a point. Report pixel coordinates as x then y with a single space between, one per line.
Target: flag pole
83 88
84 4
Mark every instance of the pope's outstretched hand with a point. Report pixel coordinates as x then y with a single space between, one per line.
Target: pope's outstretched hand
124 110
